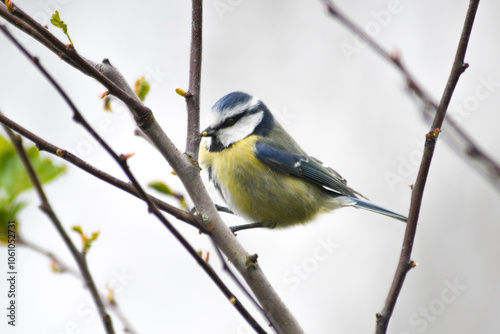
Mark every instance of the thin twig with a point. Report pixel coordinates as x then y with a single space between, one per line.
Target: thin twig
27 28
57 263
45 206
62 267
127 326
193 96
44 145
240 285
188 173
152 208
459 140
68 53
193 111
405 264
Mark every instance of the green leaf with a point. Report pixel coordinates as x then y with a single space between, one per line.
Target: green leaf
8 4
165 189
56 21
86 240
8 212
78 229
142 88
161 187
92 238
13 176
107 104
14 180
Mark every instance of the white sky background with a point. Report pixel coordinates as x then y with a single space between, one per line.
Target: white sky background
350 111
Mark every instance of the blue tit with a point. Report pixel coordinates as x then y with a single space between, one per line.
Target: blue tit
262 173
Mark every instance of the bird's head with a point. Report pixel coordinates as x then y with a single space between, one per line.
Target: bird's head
235 117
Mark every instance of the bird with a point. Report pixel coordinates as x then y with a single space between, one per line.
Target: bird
261 172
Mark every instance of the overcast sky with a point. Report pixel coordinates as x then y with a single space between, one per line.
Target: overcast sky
342 102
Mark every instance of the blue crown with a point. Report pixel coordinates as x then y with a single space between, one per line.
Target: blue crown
231 100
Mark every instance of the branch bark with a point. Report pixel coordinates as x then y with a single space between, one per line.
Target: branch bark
405 264
461 142
80 258
44 145
64 268
188 173
122 162
193 97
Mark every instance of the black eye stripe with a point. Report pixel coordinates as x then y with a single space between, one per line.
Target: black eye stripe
231 120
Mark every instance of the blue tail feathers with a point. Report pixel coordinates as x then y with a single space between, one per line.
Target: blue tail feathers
377 209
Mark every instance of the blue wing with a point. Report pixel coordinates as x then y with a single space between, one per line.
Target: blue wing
313 170
306 168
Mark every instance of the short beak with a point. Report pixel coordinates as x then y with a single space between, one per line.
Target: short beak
208 132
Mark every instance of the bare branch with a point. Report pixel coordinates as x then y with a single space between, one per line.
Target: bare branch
405 264
45 206
68 53
44 145
152 208
188 172
193 97
459 140
33 32
237 281
64 268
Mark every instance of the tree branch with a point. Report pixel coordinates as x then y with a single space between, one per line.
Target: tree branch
31 31
189 175
68 53
238 283
62 268
193 96
405 264
122 162
44 145
460 141
45 206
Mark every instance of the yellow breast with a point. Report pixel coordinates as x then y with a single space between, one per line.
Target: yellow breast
258 193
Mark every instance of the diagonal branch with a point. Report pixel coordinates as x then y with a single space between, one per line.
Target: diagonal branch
152 208
68 53
459 140
44 145
238 283
64 268
188 173
405 264
45 206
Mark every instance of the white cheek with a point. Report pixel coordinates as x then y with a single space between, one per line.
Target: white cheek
207 141
242 129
